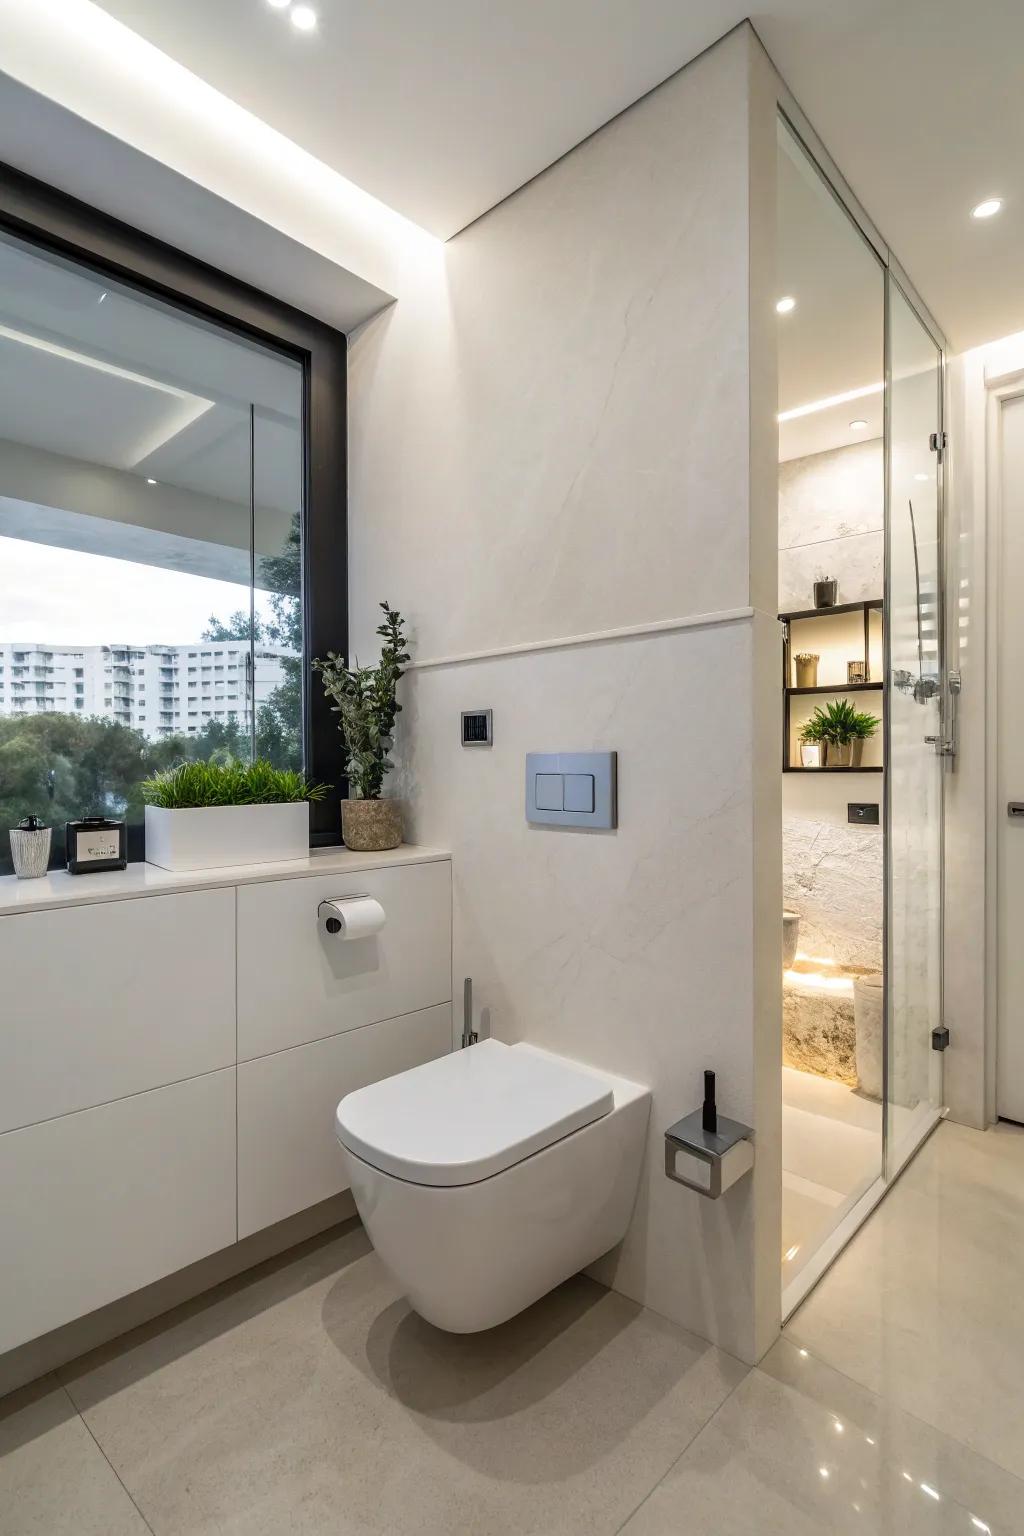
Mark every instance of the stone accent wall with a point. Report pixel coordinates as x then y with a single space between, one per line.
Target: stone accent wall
832 876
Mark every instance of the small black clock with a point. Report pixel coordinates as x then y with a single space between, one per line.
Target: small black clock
95 844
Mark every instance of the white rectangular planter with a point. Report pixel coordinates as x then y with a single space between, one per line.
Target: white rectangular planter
217 836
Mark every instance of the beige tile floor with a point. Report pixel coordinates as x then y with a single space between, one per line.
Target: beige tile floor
307 1398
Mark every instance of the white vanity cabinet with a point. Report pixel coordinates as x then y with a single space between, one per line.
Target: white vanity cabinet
288 1153
96 1204
101 1001
172 1051
297 983
319 1016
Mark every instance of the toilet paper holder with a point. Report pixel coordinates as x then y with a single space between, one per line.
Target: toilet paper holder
327 911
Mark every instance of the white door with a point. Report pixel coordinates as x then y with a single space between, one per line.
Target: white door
1010 750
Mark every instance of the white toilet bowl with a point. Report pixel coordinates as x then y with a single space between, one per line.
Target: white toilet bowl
488 1177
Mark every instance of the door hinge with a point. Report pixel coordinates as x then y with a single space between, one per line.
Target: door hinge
937 442
940 1038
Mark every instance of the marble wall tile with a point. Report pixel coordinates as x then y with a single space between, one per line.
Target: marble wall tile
549 432
832 495
566 427
857 562
831 521
631 950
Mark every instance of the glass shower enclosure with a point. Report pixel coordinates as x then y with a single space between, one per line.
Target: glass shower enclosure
913 701
861 491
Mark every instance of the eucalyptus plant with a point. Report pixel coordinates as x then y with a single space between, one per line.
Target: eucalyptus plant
365 698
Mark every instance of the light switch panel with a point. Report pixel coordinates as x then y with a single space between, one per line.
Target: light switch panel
572 789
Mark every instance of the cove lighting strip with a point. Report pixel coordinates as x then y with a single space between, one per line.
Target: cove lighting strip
824 405
75 53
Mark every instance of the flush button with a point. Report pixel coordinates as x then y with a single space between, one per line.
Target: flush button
579 792
549 791
571 789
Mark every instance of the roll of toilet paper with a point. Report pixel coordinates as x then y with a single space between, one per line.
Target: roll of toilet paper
359 916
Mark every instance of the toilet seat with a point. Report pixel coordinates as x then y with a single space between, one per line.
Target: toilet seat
470 1115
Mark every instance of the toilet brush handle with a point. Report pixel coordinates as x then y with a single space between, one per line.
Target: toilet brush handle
709 1109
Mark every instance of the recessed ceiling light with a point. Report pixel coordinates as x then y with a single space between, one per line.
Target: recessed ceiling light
149 481
280 5
858 425
101 298
986 209
785 304
303 17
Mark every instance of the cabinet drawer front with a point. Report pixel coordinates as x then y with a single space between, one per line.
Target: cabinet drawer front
288 1154
95 1205
108 1000
297 983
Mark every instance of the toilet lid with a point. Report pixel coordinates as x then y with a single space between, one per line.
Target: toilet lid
467 1116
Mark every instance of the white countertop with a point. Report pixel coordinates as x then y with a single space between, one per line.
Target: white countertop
59 889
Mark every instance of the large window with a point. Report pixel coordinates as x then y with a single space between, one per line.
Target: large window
154 533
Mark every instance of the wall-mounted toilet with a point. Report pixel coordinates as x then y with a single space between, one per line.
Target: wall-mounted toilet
489 1176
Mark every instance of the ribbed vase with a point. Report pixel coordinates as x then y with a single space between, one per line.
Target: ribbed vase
30 852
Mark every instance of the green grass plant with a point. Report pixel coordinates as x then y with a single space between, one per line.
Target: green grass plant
190 786
839 723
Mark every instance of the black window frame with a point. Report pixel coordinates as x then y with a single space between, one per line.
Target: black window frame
60 223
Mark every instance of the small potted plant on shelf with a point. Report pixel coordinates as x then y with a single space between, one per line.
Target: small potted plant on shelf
844 729
209 815
365 698
812 745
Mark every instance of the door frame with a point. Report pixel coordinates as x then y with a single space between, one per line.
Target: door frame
999 390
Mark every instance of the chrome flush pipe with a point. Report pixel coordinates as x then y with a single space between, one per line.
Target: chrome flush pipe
469 1034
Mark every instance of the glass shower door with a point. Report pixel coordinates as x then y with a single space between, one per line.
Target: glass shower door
913 708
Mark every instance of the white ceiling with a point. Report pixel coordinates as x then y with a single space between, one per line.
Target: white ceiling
94 372
441 109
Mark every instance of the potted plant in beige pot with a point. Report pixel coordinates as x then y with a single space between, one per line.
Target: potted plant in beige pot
365 699
844 729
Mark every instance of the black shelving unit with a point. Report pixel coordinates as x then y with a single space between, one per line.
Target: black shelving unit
839 688
872 605
826 772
